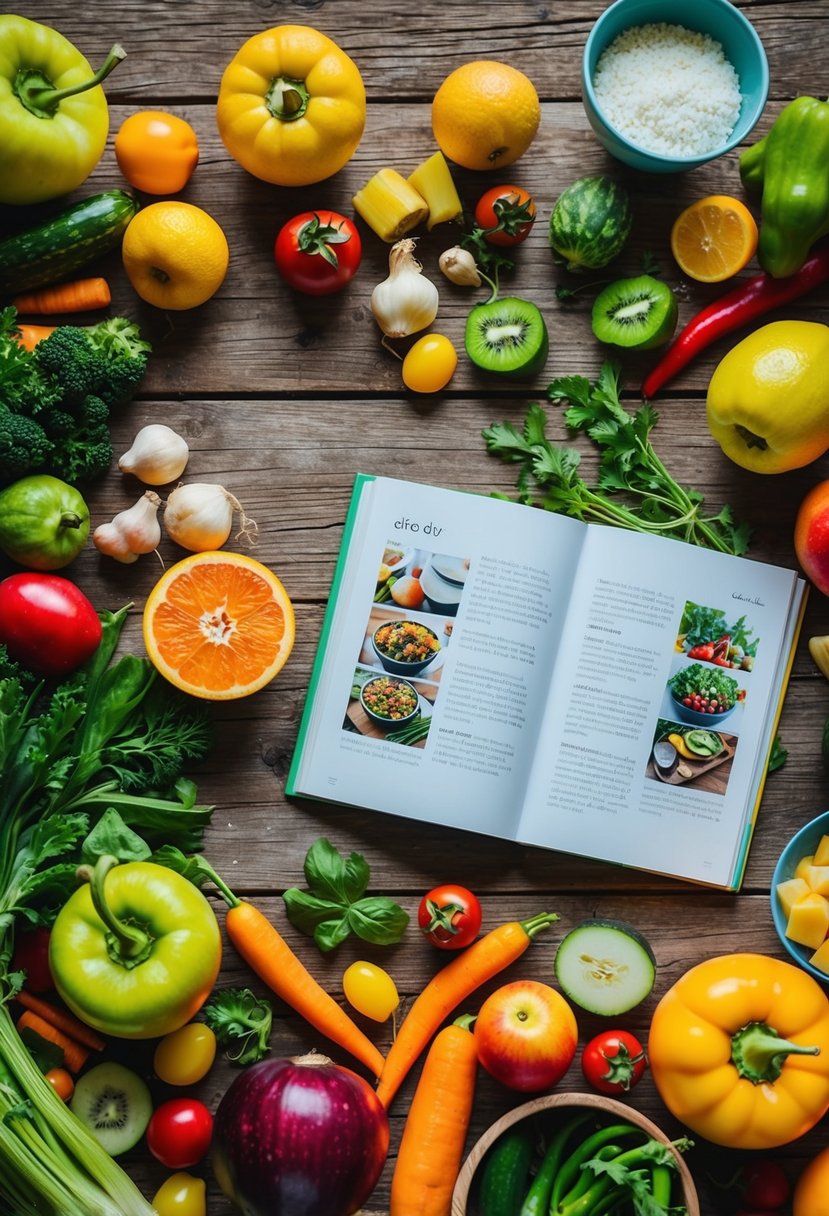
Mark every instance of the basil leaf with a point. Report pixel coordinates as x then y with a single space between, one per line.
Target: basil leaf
330 933
378 919
325 871
112 836
356 876
306 911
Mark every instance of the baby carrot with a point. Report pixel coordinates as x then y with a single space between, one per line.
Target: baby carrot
28 336
82 295
61 1019
75 1054
434 1135
453 984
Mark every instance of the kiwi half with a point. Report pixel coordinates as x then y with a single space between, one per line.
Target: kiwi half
635 313
115 1104
507 336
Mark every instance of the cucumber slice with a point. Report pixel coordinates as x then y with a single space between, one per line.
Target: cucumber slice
605 966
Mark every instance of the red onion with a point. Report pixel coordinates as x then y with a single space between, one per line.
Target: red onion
300 1137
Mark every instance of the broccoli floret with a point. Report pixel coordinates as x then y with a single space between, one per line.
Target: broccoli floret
24 445
58 424
70 359
83 456
93 412
125 353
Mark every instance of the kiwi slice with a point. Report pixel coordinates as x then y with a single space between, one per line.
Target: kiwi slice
115 1104
507 336
635 313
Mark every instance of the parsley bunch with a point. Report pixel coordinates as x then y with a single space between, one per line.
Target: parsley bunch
650 500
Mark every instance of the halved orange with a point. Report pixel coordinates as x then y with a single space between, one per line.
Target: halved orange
219 625
714 238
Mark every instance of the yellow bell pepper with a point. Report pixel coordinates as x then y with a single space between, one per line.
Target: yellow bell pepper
768 400
292 106
739 1051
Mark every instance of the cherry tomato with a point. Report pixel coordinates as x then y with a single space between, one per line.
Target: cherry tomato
613 1061
156 152
179 1132
318 252
186 1055
510 210
181 1195
61 1082
47 623
371 990
450 916
31 954
763 1185
430 364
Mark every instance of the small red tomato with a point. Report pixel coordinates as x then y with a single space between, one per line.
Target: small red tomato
61 1082
450 916
31 954
763 1185
179 1132
613 1061
47 623
318 252
507 209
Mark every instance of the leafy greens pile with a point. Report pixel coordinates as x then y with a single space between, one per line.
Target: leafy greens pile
651 500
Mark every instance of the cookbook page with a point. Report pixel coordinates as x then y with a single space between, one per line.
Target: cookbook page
436 653
666 684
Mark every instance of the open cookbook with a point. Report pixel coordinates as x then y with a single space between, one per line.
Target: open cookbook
503 669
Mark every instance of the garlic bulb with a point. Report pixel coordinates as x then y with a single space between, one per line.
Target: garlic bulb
460 267
131 532
406 301
157 456
199 517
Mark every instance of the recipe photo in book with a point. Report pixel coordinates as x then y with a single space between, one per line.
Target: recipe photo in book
499 668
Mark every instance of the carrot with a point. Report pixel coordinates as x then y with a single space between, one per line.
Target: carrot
82 295
268 954
434 1134
75 1054
62 1020
28 336
453 984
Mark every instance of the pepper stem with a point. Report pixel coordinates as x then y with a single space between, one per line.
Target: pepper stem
126 944
287 99
70 519
37 93
758 1052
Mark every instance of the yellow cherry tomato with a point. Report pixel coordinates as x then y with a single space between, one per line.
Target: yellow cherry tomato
371 990
156 152
181 1195
186 1055
430 364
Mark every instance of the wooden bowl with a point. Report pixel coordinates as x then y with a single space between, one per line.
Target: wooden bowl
463 1205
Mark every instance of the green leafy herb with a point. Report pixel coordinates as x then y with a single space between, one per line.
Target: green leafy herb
241 1022
779 755
634 489
336 905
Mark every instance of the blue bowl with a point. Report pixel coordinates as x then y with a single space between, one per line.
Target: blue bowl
717 18
801 845
694 718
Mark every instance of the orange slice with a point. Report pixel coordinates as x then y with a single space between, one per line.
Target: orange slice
218 625
714 238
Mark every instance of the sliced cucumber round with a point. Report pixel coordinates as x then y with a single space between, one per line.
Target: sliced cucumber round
605 966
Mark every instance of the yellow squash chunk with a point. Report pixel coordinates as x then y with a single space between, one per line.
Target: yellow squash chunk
819 650
389 205
433 180
790 892
817 877
820 958
803 866
822 852
809 920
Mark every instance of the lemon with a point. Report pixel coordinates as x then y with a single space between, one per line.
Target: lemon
175 255
485 114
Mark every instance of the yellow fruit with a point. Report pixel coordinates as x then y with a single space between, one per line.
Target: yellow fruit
219 625
714 238
175 255
485 114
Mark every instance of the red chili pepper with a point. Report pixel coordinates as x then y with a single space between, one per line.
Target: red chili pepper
752 299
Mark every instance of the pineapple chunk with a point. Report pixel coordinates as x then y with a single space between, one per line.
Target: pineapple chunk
390 205
817 877
809 920
433 180
803 866
820 958
822 852
790 892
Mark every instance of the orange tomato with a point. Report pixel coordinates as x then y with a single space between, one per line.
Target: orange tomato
61 1082
156 152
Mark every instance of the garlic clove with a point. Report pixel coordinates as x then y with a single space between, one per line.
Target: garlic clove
406 301
158 455
131 532
199 517
460 267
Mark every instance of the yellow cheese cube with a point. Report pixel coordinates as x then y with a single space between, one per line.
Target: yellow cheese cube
803 866
809 920
790 891
817 877
820 958
822 852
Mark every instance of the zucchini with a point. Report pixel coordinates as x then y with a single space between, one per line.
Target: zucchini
506 1173
56 248
605 966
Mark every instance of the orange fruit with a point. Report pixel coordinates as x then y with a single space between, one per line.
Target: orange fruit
175 255
218 625
485 114
714 238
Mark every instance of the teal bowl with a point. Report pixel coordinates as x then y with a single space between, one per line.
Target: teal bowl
719 19
802 844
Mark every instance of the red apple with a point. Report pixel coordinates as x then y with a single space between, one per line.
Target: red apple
811 536
526 1035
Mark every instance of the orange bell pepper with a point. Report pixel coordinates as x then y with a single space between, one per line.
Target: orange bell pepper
811 1192
739 1051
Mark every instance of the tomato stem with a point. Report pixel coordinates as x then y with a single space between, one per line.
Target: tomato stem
758 1052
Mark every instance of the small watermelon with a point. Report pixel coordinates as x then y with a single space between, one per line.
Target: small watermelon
590 223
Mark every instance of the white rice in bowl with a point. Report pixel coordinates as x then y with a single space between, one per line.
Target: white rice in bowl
668 89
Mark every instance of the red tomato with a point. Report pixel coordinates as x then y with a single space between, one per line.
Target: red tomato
61 1082
179 1132
318 252
510 210
613 1061
47 623
763 1185
526 1035
31 954
450 916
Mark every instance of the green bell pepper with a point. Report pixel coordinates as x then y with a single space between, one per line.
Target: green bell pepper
791 166
54 118
136 950
44 522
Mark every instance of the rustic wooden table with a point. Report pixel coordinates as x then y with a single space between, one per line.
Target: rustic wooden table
283 399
